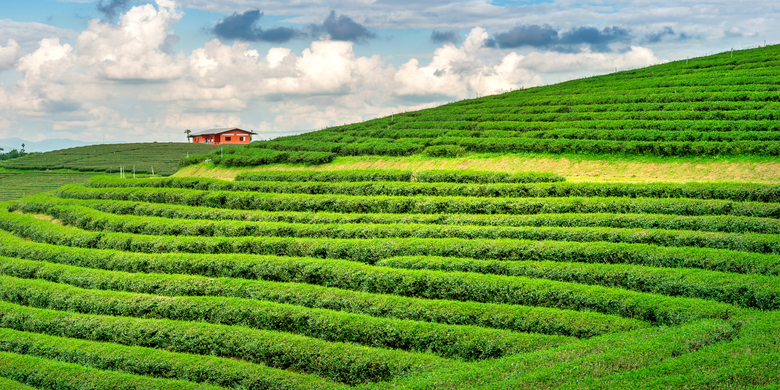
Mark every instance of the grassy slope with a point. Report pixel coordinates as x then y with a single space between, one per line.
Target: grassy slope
163 157
573 167
714 118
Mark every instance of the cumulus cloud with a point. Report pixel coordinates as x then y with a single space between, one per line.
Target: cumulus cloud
9 54
97 118
528 35
596 39
28 34
658 36
448 36
342 28
458 72
135 49
244 27
44 87
111 8
557 62
201 121
545 36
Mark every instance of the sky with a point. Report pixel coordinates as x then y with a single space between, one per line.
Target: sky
143 71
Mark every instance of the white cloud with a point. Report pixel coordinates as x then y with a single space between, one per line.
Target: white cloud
201 121
100 117
136 48
9 54
459 72
28 34
42 88
555 62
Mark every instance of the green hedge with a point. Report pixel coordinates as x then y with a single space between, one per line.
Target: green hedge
10 384
153 363
719 191
346 363
326 176
243 157
470 176
509 317
49 374
721 223
750 291
423 205
488 288
90 219
371 250
466 343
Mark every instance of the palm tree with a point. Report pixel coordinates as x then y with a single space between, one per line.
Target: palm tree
188 131
22 148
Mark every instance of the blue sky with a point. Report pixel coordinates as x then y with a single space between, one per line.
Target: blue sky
147 70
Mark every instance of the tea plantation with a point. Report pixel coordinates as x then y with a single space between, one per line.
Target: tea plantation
709 106
388 279
157 158
433 279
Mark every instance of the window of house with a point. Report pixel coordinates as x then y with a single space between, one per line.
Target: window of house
242 138
227 138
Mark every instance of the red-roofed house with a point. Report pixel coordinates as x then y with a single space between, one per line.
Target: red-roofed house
222 136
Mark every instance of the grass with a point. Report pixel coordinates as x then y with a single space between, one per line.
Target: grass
576 168
147 158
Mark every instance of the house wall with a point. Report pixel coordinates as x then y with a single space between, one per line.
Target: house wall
235 137
228 137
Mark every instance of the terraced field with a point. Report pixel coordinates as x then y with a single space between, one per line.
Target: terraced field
446 280
18 184
157 158
717 105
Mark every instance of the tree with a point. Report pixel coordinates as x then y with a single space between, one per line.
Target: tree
188 131
22 148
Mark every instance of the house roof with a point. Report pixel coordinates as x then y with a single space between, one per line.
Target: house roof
219 131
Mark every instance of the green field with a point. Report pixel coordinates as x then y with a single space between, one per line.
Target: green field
710 106
162 158
391 279
15 184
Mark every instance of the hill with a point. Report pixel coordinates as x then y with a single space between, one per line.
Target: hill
710 106
306 273
390 280
162 158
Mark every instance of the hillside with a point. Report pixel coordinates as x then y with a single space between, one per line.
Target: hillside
458 265
709 106
18 184
163 158
390 280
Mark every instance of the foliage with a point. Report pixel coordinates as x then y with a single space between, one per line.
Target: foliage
145 157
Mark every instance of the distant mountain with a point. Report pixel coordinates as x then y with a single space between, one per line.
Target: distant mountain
45 145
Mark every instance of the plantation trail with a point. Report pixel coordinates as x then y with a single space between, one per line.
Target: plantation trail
575 170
